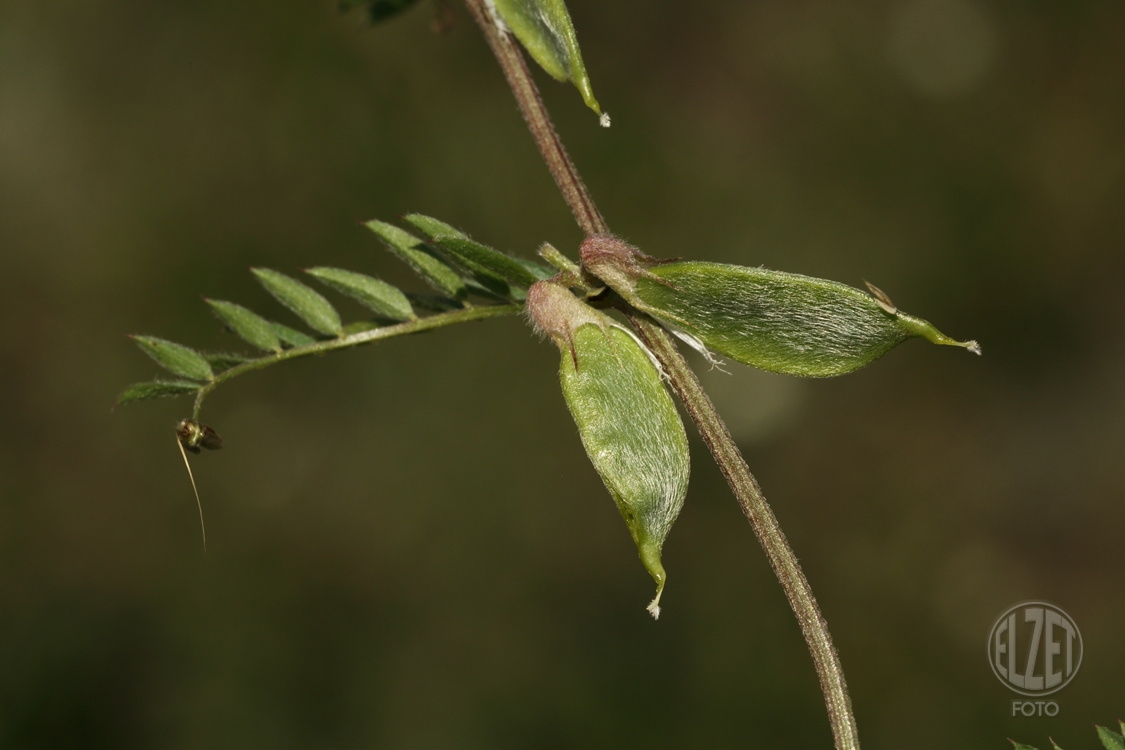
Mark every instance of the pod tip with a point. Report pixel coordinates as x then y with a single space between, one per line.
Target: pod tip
919 327
654 606
604 120
650 556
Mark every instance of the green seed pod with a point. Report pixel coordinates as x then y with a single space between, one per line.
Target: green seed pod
776 321
628 423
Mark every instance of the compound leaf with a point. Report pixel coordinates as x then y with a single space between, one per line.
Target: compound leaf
305 302
175 357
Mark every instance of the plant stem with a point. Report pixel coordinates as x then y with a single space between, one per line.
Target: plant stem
782 559
684 382
566 175
344 342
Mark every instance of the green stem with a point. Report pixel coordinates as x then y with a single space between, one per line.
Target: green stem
696 402
356 339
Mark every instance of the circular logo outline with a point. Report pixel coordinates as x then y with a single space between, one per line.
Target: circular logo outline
1004 616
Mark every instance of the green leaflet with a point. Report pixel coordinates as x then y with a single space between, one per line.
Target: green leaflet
472 254
629 426
380 297
1111 739
361 326
175 358
545 29
156 389
415 254
291 337
221 361
249 326
433 302
303 301
538 270
776 321
461 250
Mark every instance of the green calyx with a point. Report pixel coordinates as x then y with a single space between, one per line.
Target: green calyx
628 424
776 321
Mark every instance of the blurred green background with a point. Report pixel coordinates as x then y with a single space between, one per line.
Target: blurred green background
408 548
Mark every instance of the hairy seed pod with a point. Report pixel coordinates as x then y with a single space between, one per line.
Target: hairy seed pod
629 426
776 321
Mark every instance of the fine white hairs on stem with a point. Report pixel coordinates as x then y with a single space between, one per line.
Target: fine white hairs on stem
198 504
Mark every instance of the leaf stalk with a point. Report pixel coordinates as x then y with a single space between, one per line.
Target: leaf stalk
356 339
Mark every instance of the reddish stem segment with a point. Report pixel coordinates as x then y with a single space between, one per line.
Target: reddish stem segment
566 175
749 495
684 382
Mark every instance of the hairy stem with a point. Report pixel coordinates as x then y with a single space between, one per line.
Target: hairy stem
566 175
344 342
684 382
782 559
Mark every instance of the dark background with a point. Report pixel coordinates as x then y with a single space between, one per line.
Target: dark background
408 548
